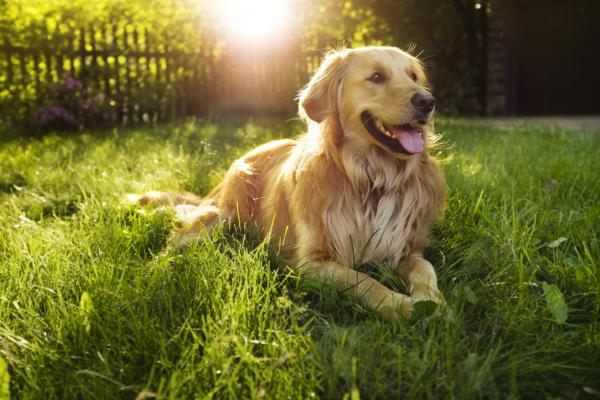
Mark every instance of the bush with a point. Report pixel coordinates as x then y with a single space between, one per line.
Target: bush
72 106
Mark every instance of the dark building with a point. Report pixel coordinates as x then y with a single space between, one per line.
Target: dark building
544 57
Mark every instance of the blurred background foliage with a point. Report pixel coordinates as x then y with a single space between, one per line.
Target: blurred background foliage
154 60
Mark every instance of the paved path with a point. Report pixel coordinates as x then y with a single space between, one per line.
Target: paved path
588 123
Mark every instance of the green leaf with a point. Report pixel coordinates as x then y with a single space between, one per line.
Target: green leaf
470 295
4 380
425 308
555 243
571 261
555 302
86 307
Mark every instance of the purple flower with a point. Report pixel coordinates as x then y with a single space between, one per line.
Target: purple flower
72 84
84 105
62 113
50 114
43 116
70 104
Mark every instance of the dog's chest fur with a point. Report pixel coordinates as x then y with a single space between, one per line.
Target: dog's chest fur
373 230
377 222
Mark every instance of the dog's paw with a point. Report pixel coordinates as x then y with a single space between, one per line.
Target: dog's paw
428 294
132 199
395 306
428 302
151 198
183 238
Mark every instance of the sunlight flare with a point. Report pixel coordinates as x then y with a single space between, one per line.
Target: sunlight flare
254 19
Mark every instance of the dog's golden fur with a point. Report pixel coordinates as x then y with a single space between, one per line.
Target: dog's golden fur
337 197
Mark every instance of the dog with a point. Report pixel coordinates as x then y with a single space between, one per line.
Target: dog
358 187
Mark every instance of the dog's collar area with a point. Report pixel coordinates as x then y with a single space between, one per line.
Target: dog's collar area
403 138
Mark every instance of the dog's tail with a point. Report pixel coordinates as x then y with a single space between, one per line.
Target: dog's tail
187 206
195 213
162 199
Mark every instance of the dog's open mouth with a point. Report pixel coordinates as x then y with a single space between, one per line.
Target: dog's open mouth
407 138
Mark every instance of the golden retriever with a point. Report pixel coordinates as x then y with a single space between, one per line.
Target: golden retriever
358 187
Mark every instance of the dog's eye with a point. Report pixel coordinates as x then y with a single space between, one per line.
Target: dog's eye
413 76
377 77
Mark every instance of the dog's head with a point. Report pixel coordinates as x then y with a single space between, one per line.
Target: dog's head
378 94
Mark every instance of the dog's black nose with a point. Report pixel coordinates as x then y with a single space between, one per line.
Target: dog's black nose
423 102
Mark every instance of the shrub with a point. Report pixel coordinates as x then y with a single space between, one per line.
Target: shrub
70 105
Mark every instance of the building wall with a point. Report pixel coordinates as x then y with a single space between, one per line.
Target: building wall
544 57
500 88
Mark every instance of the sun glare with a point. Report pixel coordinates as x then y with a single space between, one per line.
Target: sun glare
254 19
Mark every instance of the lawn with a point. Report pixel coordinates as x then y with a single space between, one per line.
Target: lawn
92 306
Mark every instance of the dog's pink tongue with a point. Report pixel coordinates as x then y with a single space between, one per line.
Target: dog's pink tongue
410 139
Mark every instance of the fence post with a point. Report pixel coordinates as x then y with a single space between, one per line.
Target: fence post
117 73
71 51
94 72
127 98
46 55
170 83
36 71
81 51
140 87
149 109
9 74
58 54
103 29
24 76
157 93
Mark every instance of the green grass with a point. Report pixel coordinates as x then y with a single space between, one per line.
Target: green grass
91 306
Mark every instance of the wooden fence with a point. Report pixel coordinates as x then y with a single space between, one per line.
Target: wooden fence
136 78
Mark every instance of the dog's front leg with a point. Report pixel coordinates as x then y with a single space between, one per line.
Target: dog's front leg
386 302
419 275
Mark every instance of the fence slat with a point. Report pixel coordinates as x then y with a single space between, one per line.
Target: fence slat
139 81
104 32
9 76
117 73
71 52
94 75
8 54
83 73
150 88
59 55
24 76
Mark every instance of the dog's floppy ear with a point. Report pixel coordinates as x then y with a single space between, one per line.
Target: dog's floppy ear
319 98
